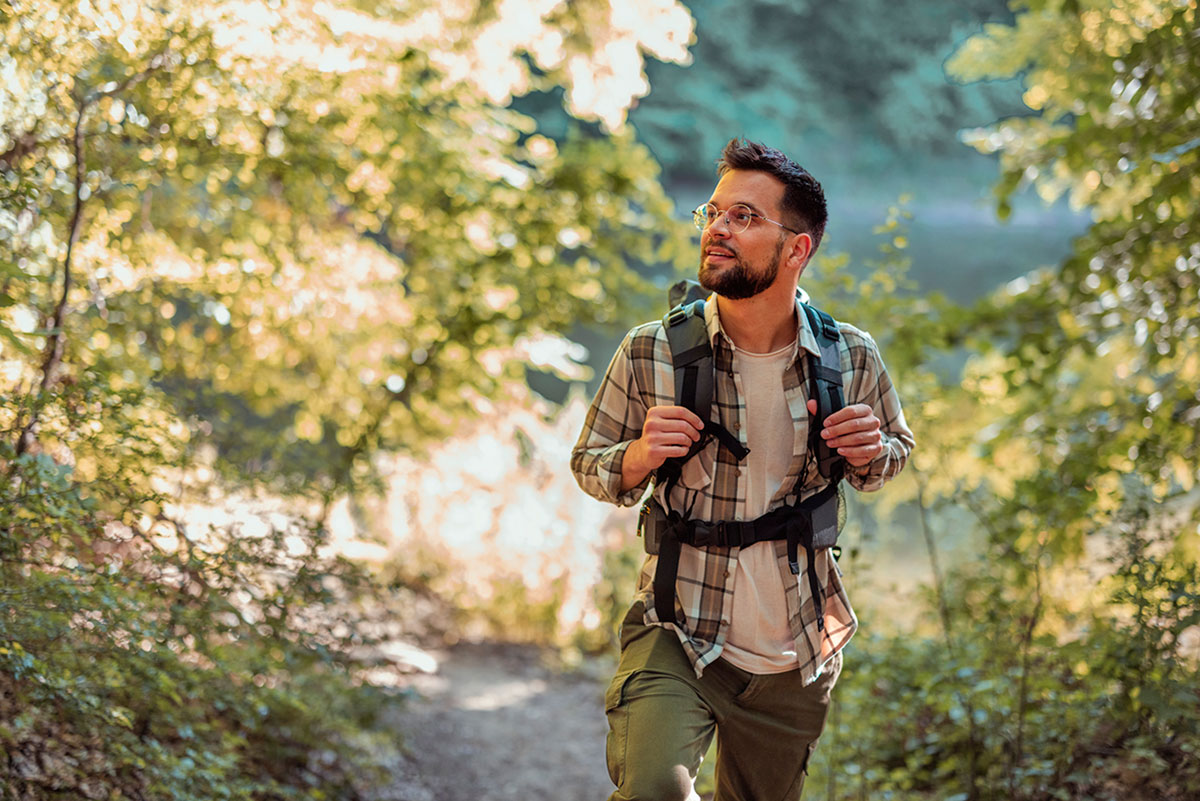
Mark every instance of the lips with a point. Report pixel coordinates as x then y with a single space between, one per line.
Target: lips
713 252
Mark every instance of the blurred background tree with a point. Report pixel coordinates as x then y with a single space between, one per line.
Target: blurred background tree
859 94
275 191
1066 662
264 241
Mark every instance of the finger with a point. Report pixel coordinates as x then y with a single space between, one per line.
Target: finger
860 456
673 426
680 439
812 406
855 426
670 449
856 440
850 412
679 413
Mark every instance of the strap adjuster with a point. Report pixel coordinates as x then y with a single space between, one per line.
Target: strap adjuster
704 534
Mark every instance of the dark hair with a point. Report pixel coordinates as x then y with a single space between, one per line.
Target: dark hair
803 198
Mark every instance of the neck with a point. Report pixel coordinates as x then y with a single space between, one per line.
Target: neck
763 323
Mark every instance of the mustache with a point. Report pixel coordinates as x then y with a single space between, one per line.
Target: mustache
710 243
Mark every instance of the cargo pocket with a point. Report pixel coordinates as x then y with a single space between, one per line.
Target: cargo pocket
797 788
632 629
808 752
617 742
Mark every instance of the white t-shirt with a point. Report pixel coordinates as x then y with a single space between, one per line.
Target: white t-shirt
759 639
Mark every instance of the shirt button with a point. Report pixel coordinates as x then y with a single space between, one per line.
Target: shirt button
737 426
726 574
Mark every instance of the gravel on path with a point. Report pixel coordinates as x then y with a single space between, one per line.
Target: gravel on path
494 722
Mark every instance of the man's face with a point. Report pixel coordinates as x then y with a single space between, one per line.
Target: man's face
741 265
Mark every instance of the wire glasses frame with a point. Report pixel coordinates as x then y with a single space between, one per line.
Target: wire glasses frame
737 217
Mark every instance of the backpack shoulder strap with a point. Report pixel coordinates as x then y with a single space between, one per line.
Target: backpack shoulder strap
826 387
695 380
694 370
691 357
692 367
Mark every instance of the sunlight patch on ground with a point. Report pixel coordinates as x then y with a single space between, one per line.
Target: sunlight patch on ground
501 695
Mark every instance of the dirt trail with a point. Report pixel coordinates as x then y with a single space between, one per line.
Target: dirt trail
495 723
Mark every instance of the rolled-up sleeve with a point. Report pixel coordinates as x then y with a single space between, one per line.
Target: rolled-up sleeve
613 421
872 386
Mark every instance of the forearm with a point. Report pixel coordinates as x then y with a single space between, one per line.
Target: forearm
602 472
873 387
897 445
630 431
635 466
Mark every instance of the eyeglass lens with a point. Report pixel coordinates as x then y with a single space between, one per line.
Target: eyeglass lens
737 217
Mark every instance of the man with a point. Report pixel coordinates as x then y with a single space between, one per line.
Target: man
749 656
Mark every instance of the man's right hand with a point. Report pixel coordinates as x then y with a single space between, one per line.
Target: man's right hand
668 432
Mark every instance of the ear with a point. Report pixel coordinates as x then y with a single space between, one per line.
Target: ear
800 249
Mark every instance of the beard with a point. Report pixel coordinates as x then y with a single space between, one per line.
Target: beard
738 281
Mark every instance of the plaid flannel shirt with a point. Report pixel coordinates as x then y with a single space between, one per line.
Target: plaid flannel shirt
712 484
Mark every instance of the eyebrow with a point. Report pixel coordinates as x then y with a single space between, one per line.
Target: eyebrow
745 203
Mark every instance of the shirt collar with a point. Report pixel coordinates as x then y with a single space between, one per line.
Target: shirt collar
805 337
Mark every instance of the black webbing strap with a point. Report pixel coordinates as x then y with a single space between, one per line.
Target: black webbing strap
825 388
691 358
667 568
669 544
722 434
814 528
695 380
810 524
692 365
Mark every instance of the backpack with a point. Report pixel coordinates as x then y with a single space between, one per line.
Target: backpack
813 523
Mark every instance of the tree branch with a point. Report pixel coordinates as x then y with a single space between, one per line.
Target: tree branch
54 348
947 631
57 342
1035 616
931 551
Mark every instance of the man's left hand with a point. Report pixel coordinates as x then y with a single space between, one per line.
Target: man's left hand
854 431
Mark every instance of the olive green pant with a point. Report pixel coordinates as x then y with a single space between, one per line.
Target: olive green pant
661 720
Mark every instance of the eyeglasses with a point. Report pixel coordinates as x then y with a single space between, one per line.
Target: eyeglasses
737 217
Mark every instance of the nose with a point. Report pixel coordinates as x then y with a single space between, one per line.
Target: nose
721 219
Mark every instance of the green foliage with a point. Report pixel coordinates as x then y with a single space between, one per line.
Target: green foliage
246 247
366 225
992 713
140 658
1098 342
1065 664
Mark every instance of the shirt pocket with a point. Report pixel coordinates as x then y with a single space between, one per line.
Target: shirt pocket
698 471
